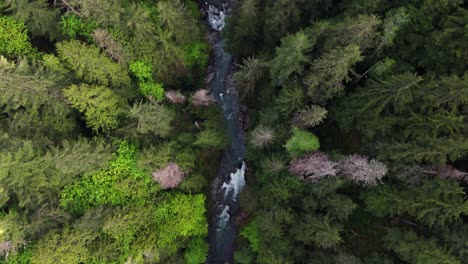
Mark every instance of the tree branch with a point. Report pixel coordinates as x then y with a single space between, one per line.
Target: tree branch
70 7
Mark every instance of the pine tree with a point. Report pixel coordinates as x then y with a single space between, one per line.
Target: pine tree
100 105
290 99
281 17
291 57
242 30
40 19
310 116
319 231
435 202
417 249
34 177
34 105
327 74
248 75
152 118
90 65
262 137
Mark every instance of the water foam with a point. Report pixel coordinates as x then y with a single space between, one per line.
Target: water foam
236 183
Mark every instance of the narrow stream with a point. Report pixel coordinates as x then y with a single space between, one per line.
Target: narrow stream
230 178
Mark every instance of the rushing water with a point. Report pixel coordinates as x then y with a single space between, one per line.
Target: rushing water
230 179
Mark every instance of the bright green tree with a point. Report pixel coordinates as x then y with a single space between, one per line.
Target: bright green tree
100 105
14 40
301 142
91 65
67 246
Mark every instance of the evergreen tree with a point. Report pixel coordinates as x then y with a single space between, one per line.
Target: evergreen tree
100 105
40 18
90 65
243 27
248 75
152 118
415 249
435 202
327 74
14 39
291 57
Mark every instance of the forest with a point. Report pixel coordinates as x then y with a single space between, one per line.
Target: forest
356 121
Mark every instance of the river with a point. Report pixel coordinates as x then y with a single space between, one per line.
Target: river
230 177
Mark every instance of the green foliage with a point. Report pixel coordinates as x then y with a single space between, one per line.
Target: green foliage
100 105
34 177
141 70
242 29
251 233
291 57
180 217
14 40
154 158
197 251
73 26
196 54
40 19
416 249
319 231
325 80
91 65
67 246
210 138
435 202
301 142
152 90
153 118
117 184
290 99
34 105
247 77
414 121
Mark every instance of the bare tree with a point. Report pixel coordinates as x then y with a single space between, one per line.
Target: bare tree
359 169
169 176
202 98
175 97
313 167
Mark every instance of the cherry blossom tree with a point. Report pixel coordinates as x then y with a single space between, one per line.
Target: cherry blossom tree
359 169
313 167
169 176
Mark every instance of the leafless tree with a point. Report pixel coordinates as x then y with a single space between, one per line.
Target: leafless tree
169 176
313 167
359 169
202 98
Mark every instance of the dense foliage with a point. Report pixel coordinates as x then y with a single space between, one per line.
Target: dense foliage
357 145
84 124
359 132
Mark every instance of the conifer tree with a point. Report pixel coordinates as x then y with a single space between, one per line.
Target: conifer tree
90 65
101 107
328 73
291 57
